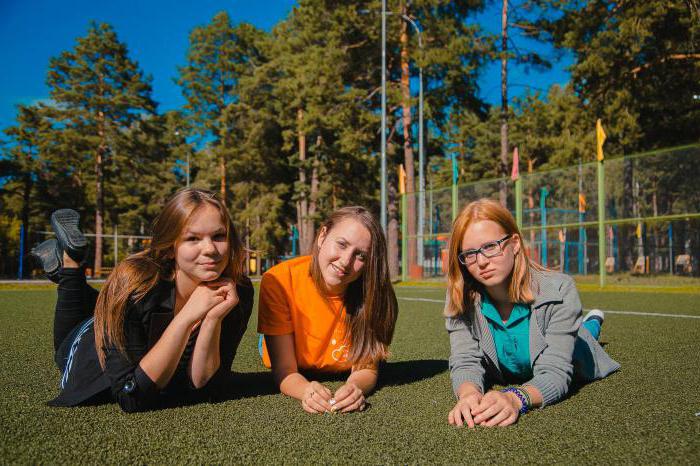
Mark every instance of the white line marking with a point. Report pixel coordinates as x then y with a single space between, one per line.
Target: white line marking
633 313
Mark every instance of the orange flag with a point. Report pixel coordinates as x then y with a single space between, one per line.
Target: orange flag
515 172
581 202
599 139
402 180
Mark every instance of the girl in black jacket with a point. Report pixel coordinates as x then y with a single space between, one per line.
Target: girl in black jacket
166 325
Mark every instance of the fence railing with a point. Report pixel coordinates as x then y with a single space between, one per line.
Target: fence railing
635 214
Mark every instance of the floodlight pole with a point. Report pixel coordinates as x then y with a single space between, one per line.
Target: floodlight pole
421 152
383 174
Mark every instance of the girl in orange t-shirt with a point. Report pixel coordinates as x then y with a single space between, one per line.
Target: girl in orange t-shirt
332 311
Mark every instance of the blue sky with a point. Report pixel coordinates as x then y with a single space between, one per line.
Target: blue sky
156 33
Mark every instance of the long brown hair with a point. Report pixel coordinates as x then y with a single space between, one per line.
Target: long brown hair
370 302
139 273
463 289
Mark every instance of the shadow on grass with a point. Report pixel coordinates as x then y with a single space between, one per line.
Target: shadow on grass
406 372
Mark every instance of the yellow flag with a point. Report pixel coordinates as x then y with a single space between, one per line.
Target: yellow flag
638 232
402 179
599 138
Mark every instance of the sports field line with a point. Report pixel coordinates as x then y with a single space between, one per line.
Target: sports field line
632 313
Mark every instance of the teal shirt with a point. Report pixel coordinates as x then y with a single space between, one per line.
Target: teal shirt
512 339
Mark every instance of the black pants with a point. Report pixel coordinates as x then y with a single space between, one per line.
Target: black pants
75 304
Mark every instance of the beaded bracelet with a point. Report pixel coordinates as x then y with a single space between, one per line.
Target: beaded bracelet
527 396
522 396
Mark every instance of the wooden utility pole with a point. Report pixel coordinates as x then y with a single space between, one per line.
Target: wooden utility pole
408 144
306 205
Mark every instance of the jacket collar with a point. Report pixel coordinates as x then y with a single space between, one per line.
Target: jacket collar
161 296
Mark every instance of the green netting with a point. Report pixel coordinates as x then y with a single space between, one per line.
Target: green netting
651 209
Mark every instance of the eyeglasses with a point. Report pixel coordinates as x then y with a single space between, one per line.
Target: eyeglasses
491 249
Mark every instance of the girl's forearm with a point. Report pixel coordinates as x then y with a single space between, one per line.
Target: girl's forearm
364 379
293 384
466 389
160 363
206 358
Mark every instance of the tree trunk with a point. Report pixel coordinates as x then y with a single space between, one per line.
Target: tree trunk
306 205
531 208
99 211
503 189
408 146
222 168
393 232
99 194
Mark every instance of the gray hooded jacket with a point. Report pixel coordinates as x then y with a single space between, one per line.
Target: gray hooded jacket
555 327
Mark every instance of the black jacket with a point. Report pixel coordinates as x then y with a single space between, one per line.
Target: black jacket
144 323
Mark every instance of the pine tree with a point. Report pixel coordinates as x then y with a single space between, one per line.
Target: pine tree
100 92
219 55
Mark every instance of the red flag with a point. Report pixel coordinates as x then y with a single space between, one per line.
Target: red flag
515 173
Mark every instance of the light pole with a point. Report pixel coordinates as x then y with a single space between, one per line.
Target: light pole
421 152
383 181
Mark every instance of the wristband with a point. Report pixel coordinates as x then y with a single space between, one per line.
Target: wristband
522 396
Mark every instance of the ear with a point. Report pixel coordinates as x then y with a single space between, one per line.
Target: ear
516 244
322 236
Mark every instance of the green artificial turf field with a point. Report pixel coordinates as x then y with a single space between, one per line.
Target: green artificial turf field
646 413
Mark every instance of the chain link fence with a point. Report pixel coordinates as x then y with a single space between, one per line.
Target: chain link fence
650 221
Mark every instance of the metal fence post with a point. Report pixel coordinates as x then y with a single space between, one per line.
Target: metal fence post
20 271
404 237
455 176
519 202
601 222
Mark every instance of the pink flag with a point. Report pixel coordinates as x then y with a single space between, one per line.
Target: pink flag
515 173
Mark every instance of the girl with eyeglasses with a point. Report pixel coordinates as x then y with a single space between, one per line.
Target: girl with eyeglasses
512 322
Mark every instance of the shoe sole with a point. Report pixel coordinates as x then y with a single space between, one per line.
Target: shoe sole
70 238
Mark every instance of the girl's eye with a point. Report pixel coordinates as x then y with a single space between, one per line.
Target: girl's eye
220 237
191 238
362 256
341 244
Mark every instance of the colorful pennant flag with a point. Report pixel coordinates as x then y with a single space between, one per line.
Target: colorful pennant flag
515 172
600 139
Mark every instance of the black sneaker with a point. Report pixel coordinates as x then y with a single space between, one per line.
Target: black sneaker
49 257
70 238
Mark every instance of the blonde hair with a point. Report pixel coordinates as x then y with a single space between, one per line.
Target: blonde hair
139 273
463 289
370 303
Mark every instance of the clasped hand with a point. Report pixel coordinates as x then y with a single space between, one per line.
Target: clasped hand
318 398
211 300
492 409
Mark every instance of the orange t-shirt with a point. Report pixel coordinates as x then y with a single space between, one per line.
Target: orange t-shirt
290 303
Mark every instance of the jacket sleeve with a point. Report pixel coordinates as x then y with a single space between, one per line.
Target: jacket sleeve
553 369
233 328
466 357
130 386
